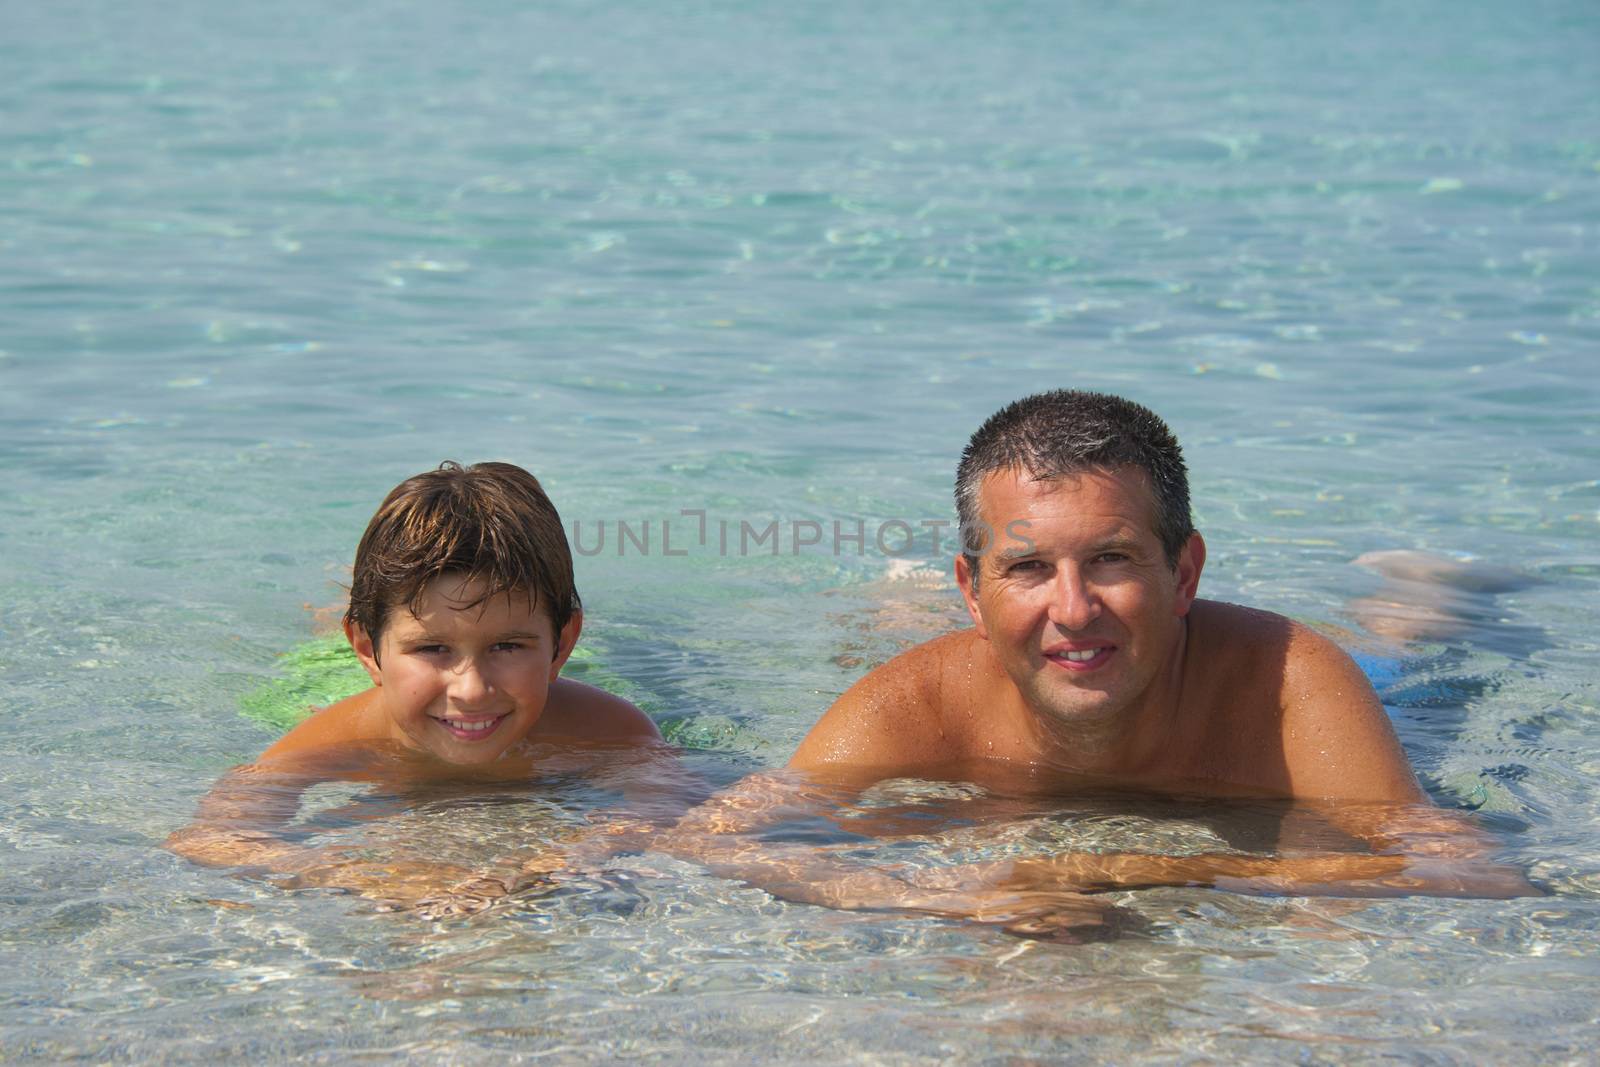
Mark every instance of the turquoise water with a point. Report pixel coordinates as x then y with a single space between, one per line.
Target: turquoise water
775 262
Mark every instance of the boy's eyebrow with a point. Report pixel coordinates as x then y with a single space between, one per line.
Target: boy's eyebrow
428 637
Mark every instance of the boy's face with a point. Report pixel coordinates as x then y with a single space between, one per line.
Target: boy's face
465 684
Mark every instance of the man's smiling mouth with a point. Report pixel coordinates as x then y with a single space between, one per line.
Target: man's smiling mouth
1081 659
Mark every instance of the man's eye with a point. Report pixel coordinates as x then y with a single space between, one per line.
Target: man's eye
1023 566
1111 557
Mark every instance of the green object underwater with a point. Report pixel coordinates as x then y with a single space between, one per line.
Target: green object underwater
324 670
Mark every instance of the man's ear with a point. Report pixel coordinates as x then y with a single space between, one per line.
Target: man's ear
1191 561
967 580
361 645
566 641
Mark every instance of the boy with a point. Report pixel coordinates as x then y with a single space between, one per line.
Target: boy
462 610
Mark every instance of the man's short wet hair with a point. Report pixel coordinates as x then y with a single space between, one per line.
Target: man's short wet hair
491 522
1068 431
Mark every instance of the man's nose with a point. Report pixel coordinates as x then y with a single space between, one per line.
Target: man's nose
1075 603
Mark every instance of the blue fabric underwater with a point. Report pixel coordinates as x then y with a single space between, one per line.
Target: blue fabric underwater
1381 671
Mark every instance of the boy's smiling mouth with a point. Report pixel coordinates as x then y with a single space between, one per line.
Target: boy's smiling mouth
470 729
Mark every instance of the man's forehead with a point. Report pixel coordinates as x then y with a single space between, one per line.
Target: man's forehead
1004 486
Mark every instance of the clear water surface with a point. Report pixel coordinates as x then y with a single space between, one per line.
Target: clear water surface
775 261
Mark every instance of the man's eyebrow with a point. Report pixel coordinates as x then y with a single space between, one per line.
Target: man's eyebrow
1121 542
1116 542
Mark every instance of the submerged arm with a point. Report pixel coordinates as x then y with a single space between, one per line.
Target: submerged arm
732 836
244 822
241 821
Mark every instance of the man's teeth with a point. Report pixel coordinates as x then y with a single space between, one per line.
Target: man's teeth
1081 656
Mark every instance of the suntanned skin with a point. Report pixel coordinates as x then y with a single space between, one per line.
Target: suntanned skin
1192 696
576 713
1266 707
463 690
493 663
1092 665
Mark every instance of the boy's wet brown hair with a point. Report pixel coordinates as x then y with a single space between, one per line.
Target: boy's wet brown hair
488 521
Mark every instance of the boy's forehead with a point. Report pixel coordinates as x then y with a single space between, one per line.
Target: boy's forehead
471 597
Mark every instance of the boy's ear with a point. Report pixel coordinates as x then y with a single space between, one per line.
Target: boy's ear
566 641
361 645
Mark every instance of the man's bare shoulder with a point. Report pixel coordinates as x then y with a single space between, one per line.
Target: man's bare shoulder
1276 639
1296 690
894 716
1235 621
576 711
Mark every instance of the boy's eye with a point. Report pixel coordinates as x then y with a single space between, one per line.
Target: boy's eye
508 646
429 650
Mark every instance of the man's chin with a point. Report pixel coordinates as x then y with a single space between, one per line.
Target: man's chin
1082 707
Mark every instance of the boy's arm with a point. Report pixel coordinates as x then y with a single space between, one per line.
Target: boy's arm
241 823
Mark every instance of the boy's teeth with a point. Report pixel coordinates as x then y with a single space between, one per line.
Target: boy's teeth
1079 657
459 725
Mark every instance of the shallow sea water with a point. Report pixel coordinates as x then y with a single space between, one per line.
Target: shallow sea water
775 262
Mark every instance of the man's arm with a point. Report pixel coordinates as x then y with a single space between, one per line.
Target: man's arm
887 721
1338 743
1018 890
733 835
1345 767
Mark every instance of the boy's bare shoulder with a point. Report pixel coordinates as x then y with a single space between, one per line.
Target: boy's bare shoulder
580 711
351 720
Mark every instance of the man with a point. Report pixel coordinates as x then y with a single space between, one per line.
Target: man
1093 666
1091 656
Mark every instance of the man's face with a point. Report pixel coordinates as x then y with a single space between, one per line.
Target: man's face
1075 595
465 684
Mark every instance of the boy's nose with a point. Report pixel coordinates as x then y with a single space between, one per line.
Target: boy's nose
469 685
